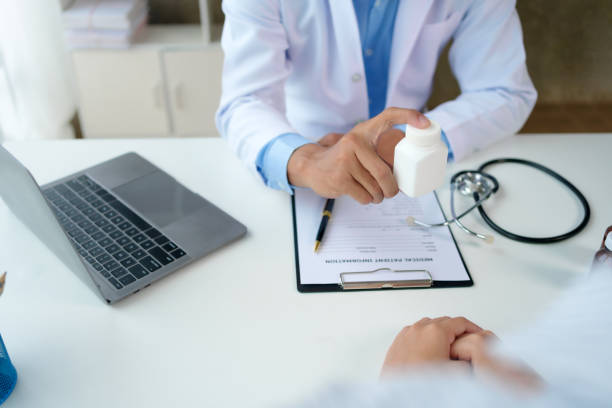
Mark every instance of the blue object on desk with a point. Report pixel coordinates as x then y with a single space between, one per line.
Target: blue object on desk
8 374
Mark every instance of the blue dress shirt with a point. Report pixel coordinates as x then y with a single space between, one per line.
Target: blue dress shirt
376 19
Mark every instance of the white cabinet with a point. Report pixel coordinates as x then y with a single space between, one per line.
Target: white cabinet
121 93
194 85
167 85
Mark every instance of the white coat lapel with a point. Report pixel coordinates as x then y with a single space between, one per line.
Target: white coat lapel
347 32
408 24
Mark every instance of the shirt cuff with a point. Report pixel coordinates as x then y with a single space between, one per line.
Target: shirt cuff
273 159
402 127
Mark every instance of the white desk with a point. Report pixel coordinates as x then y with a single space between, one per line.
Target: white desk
231 329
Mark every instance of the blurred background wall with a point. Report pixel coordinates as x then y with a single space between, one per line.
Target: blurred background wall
182 11
569 57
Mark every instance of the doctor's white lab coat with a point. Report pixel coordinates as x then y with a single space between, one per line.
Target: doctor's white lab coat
296 66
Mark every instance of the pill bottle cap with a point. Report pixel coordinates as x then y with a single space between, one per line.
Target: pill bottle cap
423 137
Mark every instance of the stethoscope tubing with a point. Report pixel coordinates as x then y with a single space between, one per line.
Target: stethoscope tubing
452 220
555 175
456 220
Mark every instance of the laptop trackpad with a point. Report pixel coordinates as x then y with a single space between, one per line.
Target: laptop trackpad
159 197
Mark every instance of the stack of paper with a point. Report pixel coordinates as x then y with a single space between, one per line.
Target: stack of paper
104 23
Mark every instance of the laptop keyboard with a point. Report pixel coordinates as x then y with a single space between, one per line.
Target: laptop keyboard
112 238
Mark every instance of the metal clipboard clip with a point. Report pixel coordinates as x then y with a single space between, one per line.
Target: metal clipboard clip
417 278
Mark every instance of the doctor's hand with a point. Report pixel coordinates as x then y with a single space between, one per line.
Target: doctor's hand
350 164
330 139
385 146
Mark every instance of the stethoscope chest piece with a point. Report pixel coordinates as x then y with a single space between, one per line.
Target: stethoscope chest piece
470 181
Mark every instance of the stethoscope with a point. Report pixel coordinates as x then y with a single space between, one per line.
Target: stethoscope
481 186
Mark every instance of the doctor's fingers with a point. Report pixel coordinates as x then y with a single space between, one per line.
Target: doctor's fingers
365 179
330 139
395 116
359 194
379 170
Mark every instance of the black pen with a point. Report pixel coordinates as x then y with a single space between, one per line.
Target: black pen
327 212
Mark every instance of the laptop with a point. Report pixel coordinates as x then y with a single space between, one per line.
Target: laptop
120 225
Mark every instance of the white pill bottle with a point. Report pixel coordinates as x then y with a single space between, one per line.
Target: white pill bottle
419 162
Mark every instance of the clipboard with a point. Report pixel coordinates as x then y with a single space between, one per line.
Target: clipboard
355 281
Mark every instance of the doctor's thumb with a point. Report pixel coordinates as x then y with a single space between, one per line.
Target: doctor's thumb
400 116
422 121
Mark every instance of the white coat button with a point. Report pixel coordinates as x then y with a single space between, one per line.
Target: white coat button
369 52
356 77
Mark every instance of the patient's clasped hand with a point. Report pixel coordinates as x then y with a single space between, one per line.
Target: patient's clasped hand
453 343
